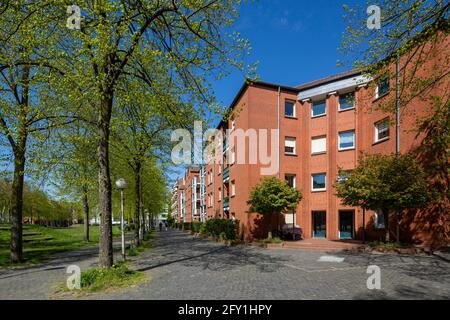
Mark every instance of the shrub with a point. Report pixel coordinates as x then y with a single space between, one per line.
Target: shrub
275 240
221 228
195 226
202 229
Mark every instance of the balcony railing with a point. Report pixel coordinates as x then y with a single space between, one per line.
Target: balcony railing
226 173
226 202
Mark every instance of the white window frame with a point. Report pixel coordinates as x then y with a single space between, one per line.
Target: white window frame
318 115
312 182
290 139
377 89
354 141
295 179
294 105
377 131
316 139
233 188
354 101
233 124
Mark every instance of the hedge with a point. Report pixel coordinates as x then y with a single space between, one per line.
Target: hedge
222 228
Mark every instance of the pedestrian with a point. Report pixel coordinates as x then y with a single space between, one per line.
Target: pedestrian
160 226
165 223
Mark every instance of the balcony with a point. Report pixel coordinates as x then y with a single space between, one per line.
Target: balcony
226 173
226 203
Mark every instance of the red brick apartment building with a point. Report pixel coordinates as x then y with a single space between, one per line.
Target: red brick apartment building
323 125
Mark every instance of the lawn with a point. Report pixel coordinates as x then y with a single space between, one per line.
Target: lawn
40 242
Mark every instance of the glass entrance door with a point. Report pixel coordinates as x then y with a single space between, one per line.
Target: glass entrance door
319 224
346 224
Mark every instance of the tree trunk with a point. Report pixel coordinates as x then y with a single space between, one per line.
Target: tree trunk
17 203
104 182
85 213
137 204
386 224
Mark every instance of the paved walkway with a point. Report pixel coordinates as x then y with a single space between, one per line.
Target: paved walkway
181 267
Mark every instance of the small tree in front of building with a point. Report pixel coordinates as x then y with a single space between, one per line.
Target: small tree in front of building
273 196
390 183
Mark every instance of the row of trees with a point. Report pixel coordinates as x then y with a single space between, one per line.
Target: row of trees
84 106
38 206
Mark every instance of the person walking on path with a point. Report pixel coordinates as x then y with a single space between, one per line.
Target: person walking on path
160 226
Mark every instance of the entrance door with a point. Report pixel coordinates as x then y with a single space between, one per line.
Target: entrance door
319 224
346 224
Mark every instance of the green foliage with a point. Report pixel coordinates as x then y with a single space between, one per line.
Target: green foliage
187 226
222 228
195 226
118 276
273 195
274 240
391 182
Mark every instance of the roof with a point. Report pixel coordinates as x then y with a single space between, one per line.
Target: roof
332 78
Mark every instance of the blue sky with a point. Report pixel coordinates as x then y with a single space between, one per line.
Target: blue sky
295 41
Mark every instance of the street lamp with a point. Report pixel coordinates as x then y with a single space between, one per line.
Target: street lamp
121 184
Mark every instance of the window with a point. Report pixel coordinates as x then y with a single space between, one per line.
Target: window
319 145
233 188
289 145
347 101
290 179
379 220
289 109
347 140
319 108
382 130
319 182
220 194
233 124
383 87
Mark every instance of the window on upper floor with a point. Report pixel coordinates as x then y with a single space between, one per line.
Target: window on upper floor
382 130
318 182
289 109
383 87
319 145
233 124
319 108
290 146
346 101
233 188
290 180
347 140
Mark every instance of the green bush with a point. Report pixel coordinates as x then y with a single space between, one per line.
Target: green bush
195 226
273 240
223 229
202 229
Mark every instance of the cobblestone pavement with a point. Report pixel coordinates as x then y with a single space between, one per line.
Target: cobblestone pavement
181 267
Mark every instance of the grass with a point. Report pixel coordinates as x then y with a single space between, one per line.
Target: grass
100 279
387 245
274 240
135 251
47 241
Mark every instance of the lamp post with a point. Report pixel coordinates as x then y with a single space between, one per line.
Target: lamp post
121 184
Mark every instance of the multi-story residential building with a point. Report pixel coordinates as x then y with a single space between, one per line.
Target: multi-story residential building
174 202
323 125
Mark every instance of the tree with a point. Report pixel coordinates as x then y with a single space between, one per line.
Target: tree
273 196
189 35
28 105
390 183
